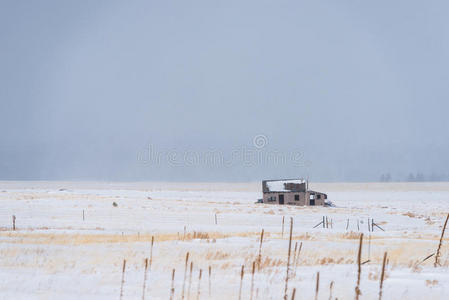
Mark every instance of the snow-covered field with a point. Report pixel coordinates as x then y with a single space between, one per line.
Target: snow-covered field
56 254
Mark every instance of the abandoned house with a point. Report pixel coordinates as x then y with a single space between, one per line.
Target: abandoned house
291 192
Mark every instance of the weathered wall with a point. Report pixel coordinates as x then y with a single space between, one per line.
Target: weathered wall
289 198
318 202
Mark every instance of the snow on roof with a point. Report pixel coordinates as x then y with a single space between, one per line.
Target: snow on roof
279 185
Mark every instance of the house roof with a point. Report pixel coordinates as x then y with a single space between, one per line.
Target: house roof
284 185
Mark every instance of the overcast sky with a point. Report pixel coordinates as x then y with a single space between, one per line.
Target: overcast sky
334 90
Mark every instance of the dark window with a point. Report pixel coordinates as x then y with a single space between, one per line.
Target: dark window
296 197
281 199
272 199
318 196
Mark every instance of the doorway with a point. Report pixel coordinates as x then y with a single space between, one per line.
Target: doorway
281 199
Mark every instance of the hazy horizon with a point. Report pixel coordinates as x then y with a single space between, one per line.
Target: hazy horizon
224 91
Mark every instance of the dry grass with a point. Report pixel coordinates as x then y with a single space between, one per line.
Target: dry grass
431 282
18 237
269 262
410 215
217 255
351 235
401 253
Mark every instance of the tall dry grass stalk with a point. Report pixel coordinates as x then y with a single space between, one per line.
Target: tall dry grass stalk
172 288
359 268
144 278
317 286
198 291
288 259
297 258
210 285
293 294
252 280
259 256
151 251
331 287
283 219
14 221
185 275
190 280
123 279
242 273
382 276
369 247
294 254
437 256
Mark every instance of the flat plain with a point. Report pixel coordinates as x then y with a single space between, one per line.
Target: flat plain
71 238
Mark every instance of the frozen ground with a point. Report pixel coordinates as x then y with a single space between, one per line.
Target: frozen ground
56 254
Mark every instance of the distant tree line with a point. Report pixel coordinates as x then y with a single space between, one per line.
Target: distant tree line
385 177
416 177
